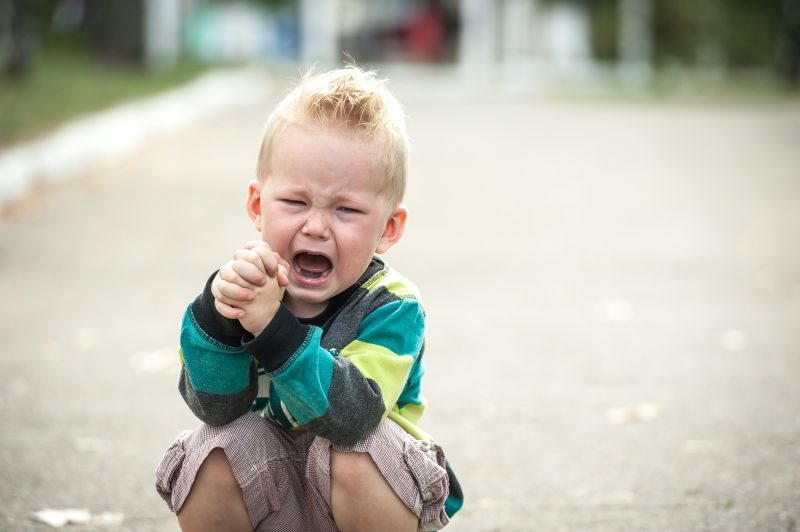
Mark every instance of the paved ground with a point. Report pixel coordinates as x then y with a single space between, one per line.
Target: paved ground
613 292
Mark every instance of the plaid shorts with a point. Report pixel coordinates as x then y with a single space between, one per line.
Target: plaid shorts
285 475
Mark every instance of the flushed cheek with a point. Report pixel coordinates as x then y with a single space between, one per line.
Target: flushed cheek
356 256
278 236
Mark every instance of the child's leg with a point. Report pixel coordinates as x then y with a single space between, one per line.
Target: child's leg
215 501
248 464
386 476
361 499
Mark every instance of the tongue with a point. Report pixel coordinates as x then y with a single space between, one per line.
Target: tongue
312 264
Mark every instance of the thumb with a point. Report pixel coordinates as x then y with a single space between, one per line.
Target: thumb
283 274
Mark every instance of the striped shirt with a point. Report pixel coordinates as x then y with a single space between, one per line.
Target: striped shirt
336 375
362 360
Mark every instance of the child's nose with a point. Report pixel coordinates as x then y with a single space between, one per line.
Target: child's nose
316 225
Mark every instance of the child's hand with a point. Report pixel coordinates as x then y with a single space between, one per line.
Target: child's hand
271 263
259 312
250 286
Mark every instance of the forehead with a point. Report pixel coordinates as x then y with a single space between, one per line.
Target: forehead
305 150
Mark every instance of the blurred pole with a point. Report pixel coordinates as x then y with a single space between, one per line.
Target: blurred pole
787 55
319 35
566 43
518 18
517 26
478 48
17 37
162 33
635 43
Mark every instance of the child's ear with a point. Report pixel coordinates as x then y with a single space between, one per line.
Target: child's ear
254 203
395 226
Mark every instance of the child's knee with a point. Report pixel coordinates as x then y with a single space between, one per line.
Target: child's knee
361 499
350 469
216 472
215 501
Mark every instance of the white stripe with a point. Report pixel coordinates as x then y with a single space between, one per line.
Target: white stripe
289 416
263 386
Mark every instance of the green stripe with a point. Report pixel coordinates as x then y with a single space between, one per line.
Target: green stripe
452 505
211 367
412 393
389 370
303 383
398 326
394 283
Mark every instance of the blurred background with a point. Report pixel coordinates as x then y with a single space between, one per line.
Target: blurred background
604 205
665 46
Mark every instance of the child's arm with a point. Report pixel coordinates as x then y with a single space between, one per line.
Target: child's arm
218 377
343 397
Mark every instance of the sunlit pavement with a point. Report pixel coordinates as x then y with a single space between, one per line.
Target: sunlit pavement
613 292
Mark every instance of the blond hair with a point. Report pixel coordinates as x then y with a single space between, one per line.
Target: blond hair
348 97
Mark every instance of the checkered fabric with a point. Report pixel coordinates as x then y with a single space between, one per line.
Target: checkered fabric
285 474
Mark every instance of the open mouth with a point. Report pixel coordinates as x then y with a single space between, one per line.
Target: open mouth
312 266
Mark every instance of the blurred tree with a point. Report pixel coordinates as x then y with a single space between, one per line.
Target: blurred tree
685 31
788 52
732 34
275 4
604 27
115 30
20 27
111 29
751 32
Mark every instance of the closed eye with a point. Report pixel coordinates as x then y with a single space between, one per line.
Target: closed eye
293 202
349 210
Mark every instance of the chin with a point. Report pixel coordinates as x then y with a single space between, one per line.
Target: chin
309 296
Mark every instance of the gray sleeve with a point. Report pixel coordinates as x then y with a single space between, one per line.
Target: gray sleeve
354 408
216 409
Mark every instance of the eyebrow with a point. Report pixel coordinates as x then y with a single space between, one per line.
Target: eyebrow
336 198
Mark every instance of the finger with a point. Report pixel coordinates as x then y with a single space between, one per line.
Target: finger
249 272
228 311
283 276
215 284
228 274
249 255
265 251
268 260
233 293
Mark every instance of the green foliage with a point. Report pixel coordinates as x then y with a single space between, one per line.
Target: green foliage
730 33
66 83
275 4
604 28
751 32
684 29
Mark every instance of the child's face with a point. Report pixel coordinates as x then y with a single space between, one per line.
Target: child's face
325 208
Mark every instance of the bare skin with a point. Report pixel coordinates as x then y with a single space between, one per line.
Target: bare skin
361 499
215 502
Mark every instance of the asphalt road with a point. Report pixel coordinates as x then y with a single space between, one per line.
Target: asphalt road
613 292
